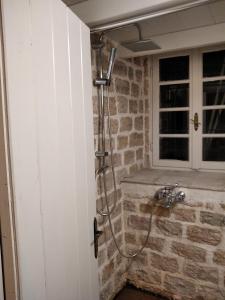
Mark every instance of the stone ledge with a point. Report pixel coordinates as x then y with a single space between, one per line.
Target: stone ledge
187 179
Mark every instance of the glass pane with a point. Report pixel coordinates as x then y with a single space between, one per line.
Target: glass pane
176 95
174 68
174 122
213 149
174 148
214 121
213 63
214 93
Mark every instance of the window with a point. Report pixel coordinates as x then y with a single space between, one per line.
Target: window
189 110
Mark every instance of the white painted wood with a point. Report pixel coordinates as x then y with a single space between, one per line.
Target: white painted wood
51 134
1 278
196 106
156 161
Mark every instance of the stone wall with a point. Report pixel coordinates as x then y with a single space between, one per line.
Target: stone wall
128 102
185 255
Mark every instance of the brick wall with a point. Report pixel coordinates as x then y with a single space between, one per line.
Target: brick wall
185 255
128 98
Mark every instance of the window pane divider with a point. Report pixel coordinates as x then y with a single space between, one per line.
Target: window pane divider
210 107
213 135
171 82
174 109
174 135
216 78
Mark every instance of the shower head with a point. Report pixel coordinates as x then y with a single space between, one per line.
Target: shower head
141 45
111 63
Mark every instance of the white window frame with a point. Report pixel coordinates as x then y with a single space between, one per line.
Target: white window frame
195 92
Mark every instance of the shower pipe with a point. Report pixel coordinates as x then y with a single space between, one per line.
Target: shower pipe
152 14
102 82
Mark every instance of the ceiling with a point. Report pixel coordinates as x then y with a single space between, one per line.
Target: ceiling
195 27
73 2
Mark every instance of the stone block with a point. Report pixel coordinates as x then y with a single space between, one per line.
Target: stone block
190 252
185 215
154 243
107 272
133 106
114 126
138 75
122 142
136 139
141 106
130 73
130 238
213 219
210 293
129 205
198 272
133 169
129 157
122 86
135 90
219 257
204 235
138 123
179 286
118 226
169 228
122 104
138 223
120 68
139 154
126 124
164 263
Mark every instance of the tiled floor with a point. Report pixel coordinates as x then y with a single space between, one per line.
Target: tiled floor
129 293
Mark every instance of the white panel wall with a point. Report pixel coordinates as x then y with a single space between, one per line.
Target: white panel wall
50 115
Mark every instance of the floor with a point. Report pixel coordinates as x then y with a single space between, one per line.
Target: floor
130 293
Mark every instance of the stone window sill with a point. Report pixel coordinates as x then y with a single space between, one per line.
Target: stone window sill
187 179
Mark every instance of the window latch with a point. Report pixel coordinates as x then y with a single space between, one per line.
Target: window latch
195 121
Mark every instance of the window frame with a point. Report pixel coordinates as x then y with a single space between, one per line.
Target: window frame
195 92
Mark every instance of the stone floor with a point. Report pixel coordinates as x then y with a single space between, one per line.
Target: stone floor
130 293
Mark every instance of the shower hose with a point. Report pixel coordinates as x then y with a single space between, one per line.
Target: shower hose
109 212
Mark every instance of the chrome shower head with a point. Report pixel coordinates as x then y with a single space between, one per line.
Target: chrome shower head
111 63
141 45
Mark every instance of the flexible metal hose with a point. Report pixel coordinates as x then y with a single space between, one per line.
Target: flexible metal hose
108 213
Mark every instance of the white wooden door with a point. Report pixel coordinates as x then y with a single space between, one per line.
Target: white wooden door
48 70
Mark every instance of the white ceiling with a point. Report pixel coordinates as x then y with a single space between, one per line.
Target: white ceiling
205 15
195 27
73 2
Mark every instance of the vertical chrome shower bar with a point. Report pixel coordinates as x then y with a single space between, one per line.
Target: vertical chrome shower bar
102 110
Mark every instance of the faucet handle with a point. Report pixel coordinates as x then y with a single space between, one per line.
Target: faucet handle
170 188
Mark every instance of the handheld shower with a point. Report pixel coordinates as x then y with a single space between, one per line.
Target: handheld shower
111 63
105 79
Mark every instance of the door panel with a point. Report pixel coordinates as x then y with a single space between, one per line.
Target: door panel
51 132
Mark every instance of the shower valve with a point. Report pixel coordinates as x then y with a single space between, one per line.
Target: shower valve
168 196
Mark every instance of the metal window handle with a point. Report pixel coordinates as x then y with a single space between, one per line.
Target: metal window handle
195 121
